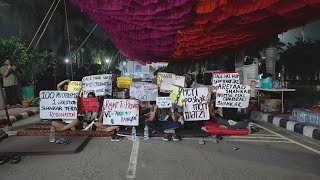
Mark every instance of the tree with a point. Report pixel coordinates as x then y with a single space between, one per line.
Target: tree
14 50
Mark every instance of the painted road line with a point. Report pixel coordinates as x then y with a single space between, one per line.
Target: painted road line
131 174
272 135
293 141
251 137
256 140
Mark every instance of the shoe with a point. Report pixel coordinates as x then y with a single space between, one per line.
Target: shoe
4 159
15 159
3 135
166 137
119 138
113 138
176 138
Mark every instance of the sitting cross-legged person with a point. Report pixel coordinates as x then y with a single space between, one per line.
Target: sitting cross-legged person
164 121
90 116
101 127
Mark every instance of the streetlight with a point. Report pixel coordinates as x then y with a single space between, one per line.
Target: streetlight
67 61
107 61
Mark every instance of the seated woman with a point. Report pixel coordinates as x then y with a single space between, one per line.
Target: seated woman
223 117
144 112
101 127
90 116
164 121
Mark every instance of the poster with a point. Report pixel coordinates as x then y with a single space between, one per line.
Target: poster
99 84
195 106
88 104
144 91
74 86
176 95
224 77
123 82
58 105
166 82
179 80
164 102
121 112
233 95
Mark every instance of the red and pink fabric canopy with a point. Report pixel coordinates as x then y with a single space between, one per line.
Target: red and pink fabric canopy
171 30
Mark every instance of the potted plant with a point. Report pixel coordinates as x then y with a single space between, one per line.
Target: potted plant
27 102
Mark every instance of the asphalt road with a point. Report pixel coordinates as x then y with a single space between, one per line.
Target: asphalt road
265 155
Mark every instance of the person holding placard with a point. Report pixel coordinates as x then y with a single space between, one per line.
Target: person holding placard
101 127
144 112
164 121
90 116
63 85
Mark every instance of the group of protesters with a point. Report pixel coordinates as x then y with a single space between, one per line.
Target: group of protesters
159 120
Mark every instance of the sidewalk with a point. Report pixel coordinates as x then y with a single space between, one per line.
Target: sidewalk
16 114
282 120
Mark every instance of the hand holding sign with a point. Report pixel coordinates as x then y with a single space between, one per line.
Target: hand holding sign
164 102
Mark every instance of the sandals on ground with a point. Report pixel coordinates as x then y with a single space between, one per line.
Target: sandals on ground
4 159
15 159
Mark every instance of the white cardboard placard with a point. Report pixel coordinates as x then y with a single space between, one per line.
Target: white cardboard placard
195 106
144 91
232 95
164 102
99 84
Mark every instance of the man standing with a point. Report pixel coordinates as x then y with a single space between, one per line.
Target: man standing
10 83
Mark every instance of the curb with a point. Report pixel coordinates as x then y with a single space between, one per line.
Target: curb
302 128
19 116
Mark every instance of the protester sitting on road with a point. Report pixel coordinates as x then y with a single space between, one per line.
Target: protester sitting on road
63 85
90 116
144 112
164 121
101 127
224 117
66 124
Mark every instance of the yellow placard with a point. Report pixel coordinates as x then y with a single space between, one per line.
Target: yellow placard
123 82
159 77
176 95
74 86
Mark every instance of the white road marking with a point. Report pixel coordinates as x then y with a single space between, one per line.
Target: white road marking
251 137
131 173
253 140
293 141
261 135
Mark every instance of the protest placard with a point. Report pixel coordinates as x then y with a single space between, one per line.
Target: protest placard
233 95
121 112
144 91
74 86
195 106
58 105
176 95
123 82
179 80
88 104
167 79
164 102
99 84
224 77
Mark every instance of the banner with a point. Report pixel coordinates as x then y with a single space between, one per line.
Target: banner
58 105
88 104
233 95
99 84
195 106
123 82
179 80
121 112
74 86
224 77
144 91
176 95
164 102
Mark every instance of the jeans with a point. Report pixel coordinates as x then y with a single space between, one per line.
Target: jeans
238 125
160 126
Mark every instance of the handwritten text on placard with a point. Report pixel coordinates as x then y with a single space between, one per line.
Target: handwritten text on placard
88 104
99 84
224 77
144 91
164 102
121 112
58 105
74 86
232 95
195 107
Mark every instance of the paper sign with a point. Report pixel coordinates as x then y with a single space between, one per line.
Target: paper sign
123 82
58 105
233 95
144 91
176 95
195 107
179 80
224 77
88 104
164 102
121 112
166 82
74 86
99 84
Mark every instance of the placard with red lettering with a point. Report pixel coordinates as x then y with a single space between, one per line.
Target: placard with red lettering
58 104
195 106
144 91
88 104
224 77
121 112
